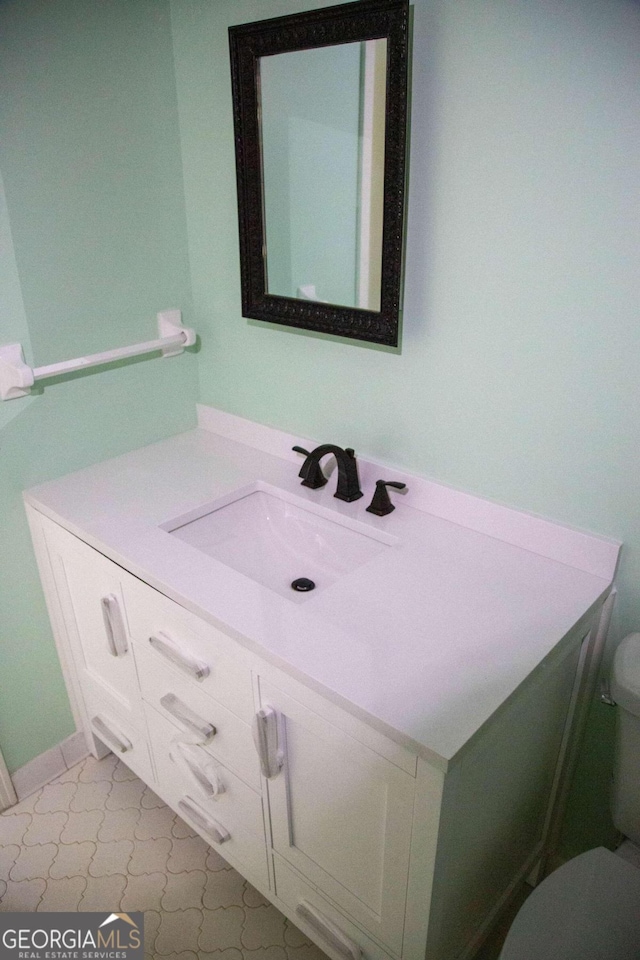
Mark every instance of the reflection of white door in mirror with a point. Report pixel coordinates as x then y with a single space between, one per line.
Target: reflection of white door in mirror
374 101
322 143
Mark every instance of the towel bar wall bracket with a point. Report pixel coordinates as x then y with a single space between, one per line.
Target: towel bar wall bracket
17 377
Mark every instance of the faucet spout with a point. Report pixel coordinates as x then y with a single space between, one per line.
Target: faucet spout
348 487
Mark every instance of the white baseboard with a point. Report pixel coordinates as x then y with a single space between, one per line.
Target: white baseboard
74 749
7 793
49 765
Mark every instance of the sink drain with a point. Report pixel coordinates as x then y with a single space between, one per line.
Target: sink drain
303 585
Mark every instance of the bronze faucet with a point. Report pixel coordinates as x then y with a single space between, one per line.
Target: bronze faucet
348 487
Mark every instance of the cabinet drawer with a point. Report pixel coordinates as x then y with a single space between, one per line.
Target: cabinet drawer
164 632
320 920
236 805
192 710
236 810
115 728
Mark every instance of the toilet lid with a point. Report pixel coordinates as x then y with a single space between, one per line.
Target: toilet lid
588 909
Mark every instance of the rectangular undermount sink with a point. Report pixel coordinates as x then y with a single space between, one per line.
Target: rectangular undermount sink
275 538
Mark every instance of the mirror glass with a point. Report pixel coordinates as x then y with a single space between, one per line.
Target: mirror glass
322 135
320 110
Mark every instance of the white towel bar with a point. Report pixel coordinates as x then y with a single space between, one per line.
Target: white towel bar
17 377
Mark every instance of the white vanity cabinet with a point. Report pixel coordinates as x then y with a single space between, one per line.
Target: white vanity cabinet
374 850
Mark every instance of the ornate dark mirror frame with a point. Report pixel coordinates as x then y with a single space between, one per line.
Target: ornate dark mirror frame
344 23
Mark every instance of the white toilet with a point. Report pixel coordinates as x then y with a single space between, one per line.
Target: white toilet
589 909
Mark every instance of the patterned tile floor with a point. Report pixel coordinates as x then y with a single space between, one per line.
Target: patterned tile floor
98 839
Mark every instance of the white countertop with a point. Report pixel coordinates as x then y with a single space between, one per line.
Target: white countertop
425 641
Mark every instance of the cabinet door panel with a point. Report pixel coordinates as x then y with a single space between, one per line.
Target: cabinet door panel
116 729
90 591
341 814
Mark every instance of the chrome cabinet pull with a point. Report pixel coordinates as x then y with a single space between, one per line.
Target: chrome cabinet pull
184 661
202 770
186 716
327 929
211 827
114 625
264 728
117 741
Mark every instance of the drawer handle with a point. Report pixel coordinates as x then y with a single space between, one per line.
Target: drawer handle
202 771
185 715
118 741
264 727
333 935
184 661
211 827
114 625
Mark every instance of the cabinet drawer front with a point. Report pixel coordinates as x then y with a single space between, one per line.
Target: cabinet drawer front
189 707
310 911
237 811
237 805
90 591
342 816
114 726
165 632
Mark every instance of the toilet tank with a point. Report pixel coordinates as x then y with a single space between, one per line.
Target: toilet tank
625 690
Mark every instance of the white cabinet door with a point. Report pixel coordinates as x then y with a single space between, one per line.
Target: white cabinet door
90 591
342 816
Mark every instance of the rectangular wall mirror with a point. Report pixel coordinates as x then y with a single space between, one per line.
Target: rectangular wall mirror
320 107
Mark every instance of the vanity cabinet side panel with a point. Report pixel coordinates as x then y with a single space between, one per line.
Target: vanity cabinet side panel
584 692
495 805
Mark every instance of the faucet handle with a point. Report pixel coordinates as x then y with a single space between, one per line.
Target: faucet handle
381 504
310 471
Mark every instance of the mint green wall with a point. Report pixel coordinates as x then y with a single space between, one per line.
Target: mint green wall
93 245
13 322
518 377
